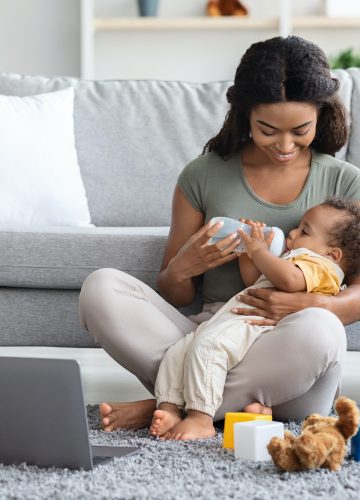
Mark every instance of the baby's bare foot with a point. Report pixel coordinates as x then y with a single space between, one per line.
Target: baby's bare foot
258 408
134 415
196 425
164 419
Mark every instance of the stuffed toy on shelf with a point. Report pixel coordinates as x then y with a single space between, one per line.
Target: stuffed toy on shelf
225 8
322 442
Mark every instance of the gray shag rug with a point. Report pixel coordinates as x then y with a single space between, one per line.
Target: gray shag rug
176 470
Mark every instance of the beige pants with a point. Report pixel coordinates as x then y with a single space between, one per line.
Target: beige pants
295 368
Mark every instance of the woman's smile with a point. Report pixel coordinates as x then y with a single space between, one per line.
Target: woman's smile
284 157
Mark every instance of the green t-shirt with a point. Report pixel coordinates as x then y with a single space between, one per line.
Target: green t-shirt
216 187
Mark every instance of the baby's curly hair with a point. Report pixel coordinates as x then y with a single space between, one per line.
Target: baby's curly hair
279 70
345 232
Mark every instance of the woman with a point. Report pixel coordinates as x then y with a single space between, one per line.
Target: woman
272 161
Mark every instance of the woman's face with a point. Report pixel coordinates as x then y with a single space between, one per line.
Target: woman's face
282 131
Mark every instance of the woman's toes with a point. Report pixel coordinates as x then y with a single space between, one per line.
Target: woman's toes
107 423
257 408
109 419
105 409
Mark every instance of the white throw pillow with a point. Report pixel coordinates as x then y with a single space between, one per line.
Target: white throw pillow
40 179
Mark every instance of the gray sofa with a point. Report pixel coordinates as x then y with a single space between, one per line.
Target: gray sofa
132 139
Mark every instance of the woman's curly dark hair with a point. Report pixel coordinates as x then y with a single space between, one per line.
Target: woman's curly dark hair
279 70
345 232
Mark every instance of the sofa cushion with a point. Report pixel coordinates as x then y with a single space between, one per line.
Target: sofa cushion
133 138
353 155
353 336
345 91
62 258
40 176
41 318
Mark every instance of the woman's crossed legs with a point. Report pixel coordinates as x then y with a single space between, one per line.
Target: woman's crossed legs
295 369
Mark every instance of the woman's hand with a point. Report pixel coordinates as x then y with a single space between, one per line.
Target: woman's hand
197 256
273 304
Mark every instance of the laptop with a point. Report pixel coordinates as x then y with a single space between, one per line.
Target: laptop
43 417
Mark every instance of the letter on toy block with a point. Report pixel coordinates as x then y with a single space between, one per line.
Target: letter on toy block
355 446
232 417
251 438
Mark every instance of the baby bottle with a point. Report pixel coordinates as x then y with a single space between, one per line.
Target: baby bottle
232 225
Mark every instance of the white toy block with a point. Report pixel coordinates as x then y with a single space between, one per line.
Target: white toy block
252 438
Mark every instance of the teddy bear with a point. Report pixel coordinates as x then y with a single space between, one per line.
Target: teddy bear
322 442
225 8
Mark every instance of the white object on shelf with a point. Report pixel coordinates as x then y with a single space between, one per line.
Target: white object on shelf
251 438
342 8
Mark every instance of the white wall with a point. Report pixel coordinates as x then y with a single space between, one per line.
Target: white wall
40 36
43 37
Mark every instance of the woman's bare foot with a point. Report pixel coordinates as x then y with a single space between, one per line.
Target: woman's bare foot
258 408
164 419
134 415
196 425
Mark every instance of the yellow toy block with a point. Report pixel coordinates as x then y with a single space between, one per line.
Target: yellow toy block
232 418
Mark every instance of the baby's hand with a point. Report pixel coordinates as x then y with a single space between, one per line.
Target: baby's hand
250 221
256 240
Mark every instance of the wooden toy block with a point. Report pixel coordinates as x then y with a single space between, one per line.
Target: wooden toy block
251 438
232 417
355 446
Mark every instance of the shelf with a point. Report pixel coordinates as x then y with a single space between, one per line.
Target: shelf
282 23
183 23
219 23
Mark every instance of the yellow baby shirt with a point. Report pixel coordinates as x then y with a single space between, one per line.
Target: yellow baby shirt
321 274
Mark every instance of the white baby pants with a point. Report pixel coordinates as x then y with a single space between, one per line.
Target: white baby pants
193 371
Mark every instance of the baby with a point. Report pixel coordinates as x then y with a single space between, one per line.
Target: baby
319 252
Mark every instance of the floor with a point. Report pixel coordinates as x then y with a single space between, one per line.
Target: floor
104 380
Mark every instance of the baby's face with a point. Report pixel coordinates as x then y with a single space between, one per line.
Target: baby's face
313 230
